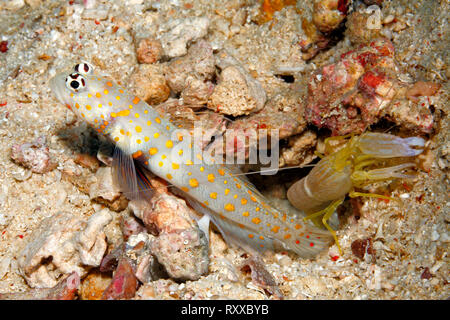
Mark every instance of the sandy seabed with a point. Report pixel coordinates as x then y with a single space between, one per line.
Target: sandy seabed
42 38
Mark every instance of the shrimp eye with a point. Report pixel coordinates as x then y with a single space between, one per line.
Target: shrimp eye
75 82
83 68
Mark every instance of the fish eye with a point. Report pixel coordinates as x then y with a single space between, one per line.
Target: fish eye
83 68
75 82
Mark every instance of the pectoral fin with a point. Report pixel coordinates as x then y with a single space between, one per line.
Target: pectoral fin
131 177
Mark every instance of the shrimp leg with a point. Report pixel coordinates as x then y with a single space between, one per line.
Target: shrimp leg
327 212
354 194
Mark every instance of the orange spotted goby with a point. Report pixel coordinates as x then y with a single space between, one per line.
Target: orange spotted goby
144 139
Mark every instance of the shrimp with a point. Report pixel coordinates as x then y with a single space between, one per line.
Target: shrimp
360 162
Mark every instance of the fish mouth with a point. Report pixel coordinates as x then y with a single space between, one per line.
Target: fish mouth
58 86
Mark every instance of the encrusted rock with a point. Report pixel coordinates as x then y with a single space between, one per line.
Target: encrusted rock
137 252
104 190
197 91
131 226
283 113
176 34
300 149
198 62
360 27
123 284
87 161
148 83
33 155
62 244
421 88
184 254
145 265
237 92
415 116
261 277
411 107
149 50
93 285
79 178
328 14
167 212
232 95
351 94
181 247
191 74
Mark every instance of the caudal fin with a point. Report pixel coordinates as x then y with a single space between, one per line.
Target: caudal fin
309 241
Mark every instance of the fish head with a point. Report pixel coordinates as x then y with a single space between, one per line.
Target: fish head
92 97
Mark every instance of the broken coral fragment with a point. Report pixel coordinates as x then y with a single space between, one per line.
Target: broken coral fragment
62 244
237 92
66 289
33 155
177 33
361 28
191 75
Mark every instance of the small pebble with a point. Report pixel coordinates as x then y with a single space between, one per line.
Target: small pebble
149 51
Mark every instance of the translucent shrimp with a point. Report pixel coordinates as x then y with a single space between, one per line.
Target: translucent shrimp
362 160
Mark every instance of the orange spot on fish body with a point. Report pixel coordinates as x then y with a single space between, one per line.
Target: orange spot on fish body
137 154
193 183
256 220
229 207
